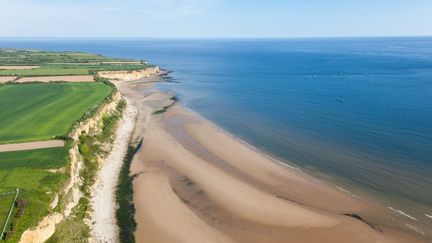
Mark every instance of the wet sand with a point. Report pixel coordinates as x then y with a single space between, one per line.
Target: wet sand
196 183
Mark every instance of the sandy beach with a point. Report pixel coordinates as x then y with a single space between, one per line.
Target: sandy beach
196 183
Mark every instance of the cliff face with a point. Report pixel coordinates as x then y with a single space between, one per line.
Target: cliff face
129 75
71 193
92 123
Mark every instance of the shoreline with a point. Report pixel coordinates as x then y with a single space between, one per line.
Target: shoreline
312 209
398 217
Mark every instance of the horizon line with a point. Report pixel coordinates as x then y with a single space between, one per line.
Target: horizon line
214 38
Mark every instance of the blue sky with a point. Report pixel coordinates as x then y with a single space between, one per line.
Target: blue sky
215 18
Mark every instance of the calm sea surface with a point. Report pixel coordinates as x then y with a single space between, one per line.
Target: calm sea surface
354 111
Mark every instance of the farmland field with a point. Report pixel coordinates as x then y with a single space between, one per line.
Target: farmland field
36 158
32 57
40 111
32 112
61 63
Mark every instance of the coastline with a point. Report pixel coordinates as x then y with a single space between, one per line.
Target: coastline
104 224
192 174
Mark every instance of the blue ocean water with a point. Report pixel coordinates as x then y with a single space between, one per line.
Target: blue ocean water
354 111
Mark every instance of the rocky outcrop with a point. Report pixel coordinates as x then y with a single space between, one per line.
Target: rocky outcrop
129 75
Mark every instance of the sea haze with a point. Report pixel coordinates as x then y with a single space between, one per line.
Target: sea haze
357 112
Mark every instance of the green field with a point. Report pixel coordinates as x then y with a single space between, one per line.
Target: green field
32 112
6 197
36 158
27 170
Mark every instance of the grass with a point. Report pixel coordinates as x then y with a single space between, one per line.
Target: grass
6 197
27 170
34 112
73 229
38 158
36 190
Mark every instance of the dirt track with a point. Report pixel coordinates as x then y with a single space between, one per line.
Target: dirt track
70 78
5 79
18 67
31 145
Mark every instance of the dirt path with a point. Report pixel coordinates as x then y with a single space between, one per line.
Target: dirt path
18 67
70 78
4 79
31 145
104 225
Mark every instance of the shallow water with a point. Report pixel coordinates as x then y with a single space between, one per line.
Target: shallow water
354 111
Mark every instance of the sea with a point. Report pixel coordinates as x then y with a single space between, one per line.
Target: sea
353 111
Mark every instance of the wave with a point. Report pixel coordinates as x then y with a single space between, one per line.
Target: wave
346 191
427 215
416 229
402 213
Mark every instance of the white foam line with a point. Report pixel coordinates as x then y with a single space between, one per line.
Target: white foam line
346 191
415 229
342 189
402 213
427 215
